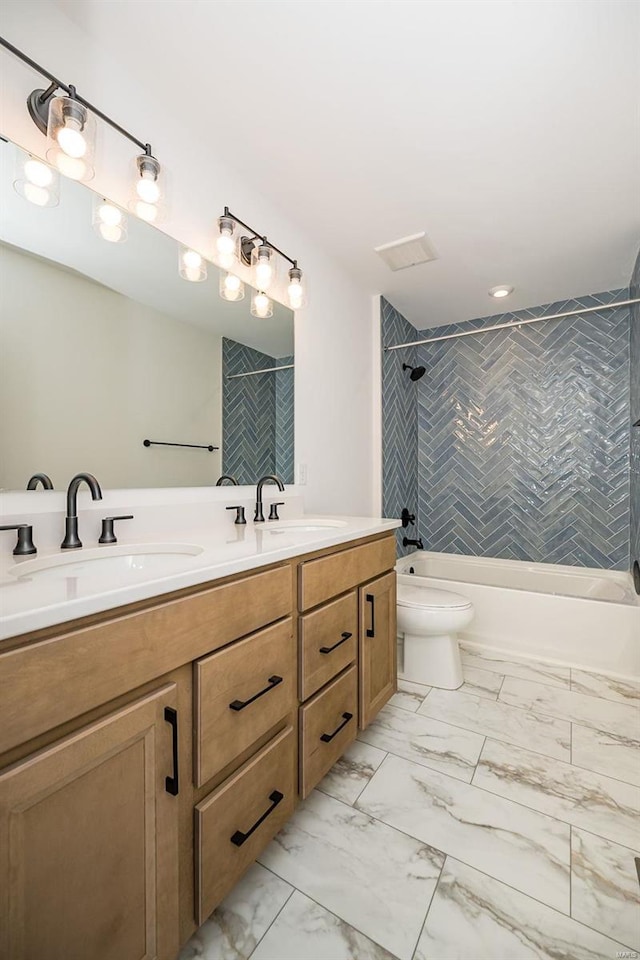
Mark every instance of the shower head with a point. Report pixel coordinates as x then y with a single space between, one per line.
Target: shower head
416 372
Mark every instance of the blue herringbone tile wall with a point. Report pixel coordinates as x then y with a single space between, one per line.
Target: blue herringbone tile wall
399 422
249 415
523 438
635 416
284 420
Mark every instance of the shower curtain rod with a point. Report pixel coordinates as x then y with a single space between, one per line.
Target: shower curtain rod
253 373
515 323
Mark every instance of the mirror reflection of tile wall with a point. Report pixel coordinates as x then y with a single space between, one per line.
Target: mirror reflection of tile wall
257 414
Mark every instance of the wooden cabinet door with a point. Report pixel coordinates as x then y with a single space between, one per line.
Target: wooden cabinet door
378 656
88 842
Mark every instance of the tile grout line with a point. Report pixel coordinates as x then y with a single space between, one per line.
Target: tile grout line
571 870
293 890
370 778
431 899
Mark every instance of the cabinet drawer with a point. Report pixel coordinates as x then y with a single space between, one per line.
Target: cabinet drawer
328 642
235 822
241 692
329 576
328 724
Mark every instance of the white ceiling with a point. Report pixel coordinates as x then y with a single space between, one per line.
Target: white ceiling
507 129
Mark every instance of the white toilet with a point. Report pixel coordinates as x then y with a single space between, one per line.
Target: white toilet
430 620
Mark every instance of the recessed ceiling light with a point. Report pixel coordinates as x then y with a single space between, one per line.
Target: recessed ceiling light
500 291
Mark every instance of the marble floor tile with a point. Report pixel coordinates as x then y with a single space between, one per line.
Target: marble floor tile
579 797
409 696
429 742
604 887
607 753
305 929
484 683
622 719
610 688
349 776
371 876
500 720
234 928
473 917
512 843
525 669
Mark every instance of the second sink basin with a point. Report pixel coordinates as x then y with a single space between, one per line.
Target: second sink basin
147 558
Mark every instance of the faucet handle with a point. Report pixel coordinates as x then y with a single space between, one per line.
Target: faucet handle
25 544
107 534
240 517
273 511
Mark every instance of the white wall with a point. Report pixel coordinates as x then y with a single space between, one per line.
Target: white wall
131 373
335 392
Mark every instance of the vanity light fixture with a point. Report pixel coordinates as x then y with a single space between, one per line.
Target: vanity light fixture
261 305
71 132
255 251
231 286
109 221
191 265
36 181
500 291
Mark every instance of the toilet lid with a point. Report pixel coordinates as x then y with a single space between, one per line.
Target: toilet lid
410 595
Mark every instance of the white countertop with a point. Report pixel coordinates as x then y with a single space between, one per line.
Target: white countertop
28 604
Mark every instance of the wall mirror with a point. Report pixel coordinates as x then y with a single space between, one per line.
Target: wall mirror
103 346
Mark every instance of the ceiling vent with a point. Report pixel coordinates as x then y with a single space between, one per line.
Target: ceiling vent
407 252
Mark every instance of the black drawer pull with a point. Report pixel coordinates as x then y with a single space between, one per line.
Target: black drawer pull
171 783
239 837
345 637
328 737
241 704
372 600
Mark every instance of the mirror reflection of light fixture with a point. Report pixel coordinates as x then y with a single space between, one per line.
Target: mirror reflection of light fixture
231 286
191 265
264 266
36 181
261 305
296 290
109 221
225 242
147 191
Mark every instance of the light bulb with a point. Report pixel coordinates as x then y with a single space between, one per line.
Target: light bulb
294 294
38 195
191 265
147 188
225 244
146 211
500 292
232 283
112 232
71 168
71 139
191 259
231 287
261 305
264 274
38 173
109 215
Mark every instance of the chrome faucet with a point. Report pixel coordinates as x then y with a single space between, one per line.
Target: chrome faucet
40 478
71 538
259 515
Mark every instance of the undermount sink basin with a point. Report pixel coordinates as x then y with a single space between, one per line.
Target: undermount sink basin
123 559
308 526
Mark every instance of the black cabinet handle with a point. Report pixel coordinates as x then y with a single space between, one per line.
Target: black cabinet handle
328 737
239 837
372 600
345 637
241 704
171 784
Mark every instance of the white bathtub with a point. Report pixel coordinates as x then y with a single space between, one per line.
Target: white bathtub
571 615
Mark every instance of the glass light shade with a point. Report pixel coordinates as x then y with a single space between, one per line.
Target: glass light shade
71 131
109 221
36 181
296 289
264 266
147 195
231 286
191 265
226 242
261 305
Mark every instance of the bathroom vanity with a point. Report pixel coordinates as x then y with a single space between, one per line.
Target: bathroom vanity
161 744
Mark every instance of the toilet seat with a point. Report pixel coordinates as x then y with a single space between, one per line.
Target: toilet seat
429 598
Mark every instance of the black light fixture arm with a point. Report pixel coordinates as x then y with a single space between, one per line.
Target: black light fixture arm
258 236
70 90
